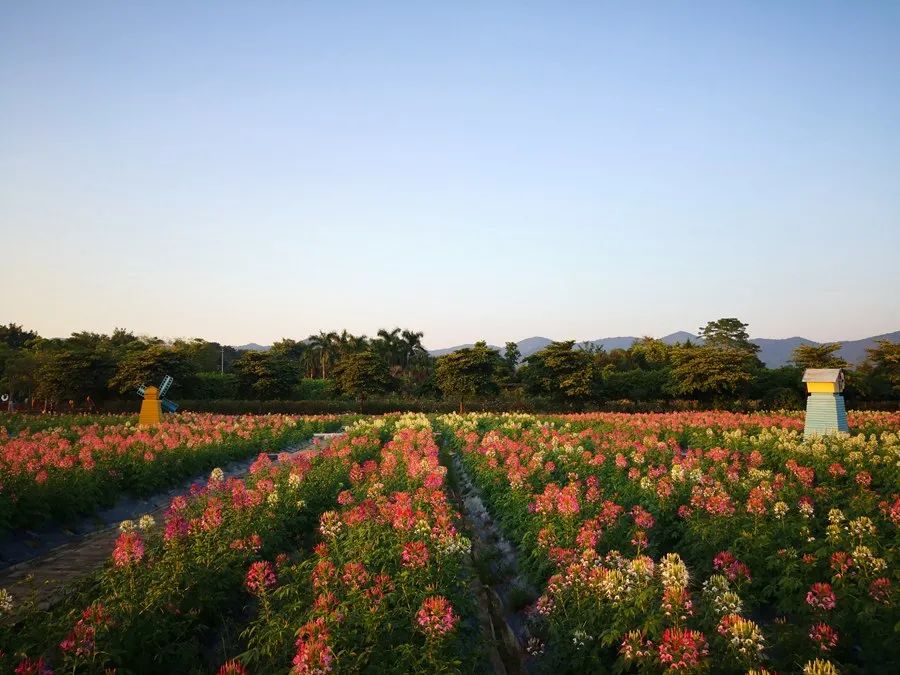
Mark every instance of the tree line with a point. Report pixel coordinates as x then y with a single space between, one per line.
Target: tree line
88 368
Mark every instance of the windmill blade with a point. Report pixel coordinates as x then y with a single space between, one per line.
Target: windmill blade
166 383
141 390
168 406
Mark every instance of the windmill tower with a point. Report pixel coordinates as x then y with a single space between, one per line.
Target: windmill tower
154 402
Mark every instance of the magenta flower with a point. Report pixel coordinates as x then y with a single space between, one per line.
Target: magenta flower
436 617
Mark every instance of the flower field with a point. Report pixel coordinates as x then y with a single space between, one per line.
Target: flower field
682 542
691 542
74 467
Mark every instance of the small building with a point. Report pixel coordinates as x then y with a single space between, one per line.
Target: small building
824 380
825 409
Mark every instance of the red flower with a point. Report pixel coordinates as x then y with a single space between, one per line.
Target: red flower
415 554
820 596
880 590
260 577
33 667
824 636
232 668
682 649
436 617
129 549
314 656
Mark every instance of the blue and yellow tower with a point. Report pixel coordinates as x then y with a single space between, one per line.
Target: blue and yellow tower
825 409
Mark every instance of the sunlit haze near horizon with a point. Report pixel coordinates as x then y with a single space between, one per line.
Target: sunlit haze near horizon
244 172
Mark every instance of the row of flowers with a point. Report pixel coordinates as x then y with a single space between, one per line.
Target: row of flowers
174 583
386 588
59 473
795 542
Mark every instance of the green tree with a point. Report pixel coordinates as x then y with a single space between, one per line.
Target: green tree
711 372
324 345
73 372
148 367
266 376
411 345
469 372
650 353
818 356
559 370
511 355
779 387
881 371
728 334
18 373
362 375
15 337
390 345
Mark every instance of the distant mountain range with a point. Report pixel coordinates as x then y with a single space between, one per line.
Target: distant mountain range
772 352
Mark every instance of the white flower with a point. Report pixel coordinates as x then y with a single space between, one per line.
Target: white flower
6 602
126 526
216 475
146 522
272 499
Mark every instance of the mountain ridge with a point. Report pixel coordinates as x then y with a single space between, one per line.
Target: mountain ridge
774 352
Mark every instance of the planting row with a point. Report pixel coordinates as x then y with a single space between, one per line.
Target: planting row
59 473
348 559
713 546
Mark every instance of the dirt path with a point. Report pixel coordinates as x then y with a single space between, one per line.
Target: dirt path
43 577
500 586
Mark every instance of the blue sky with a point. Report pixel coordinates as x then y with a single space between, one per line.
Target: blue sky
248 171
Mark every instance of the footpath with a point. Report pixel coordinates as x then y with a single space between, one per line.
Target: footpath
35 565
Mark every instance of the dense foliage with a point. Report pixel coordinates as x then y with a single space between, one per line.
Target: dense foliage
88 370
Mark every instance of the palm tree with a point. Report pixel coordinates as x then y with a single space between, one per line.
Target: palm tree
390 345
412 344
324 344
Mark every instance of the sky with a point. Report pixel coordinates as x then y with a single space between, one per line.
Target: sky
244 172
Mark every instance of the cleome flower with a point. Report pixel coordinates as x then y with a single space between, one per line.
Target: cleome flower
820 596
260 577
6 602
681 649
436 617
824 636
129 549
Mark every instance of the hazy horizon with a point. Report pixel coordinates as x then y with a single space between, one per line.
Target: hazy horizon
246 173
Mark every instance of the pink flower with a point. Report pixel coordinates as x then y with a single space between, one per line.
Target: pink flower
129 549
33 667
731 567
863 479
820 596
176 528
314 656
880 590
436 617
682 649
635 646
840 563
260 577
642 518
355 575
824 636
232 668
415 554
